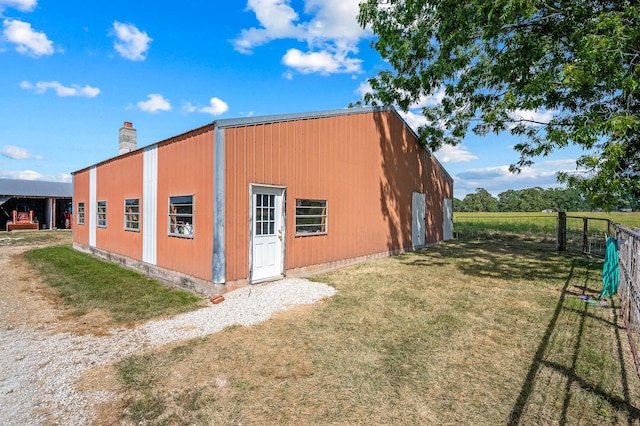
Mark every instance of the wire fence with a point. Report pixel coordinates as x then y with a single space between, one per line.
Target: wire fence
582 234
629 290
491 227
578 234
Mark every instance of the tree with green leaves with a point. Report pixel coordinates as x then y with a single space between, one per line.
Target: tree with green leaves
494 62
458 205
509 201
480 201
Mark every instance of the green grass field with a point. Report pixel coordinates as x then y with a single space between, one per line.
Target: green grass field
630 220
464 332
468 333
543 227
87 283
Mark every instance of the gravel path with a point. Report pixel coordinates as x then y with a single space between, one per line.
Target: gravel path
39 368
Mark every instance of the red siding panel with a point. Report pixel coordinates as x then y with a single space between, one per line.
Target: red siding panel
365 165
81 195
117 181
185 167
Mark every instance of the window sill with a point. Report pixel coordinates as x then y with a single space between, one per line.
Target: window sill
312 234
189 237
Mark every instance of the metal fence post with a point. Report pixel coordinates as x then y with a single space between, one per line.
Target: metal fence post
585 236
562 231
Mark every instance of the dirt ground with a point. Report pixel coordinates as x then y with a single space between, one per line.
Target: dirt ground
26 301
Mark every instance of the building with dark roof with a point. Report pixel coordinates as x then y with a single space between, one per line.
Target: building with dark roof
47 200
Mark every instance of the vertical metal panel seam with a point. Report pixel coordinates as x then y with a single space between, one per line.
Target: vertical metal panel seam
92 206
218 267
74 207
150 204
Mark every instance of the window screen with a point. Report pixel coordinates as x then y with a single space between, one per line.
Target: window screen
181 216
102 214
132 214
311 217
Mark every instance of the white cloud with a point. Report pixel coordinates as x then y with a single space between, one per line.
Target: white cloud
188 107
33 175
531 117
498 179
323 62
434 99
27 41
277 20
23 5
332 34
363 89
17 153
413 120
155 103
217 107
454 154
131 43
564 165
335 19
73 90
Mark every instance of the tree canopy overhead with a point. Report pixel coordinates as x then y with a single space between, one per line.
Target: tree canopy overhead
494 62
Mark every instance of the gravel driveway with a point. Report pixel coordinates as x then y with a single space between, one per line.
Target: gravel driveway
41 363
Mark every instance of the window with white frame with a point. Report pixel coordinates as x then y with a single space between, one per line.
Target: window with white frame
181 216
101 214
265 214
311 217
80 213
132 214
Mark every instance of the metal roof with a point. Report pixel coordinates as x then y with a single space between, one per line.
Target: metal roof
34 188
250 121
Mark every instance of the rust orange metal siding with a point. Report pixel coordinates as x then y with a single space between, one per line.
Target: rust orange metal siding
81 195
365 165
441 187
185 167
116 181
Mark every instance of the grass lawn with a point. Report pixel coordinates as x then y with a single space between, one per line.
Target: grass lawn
543 227
88 284
541 222
481 333
22 238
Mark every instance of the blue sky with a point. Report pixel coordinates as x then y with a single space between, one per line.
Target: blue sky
72 72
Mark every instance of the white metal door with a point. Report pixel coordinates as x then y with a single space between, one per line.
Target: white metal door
267 233
418 202
447 219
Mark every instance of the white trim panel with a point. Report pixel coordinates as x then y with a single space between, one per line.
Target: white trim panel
447 219
91 210
219 256
418 219
150 205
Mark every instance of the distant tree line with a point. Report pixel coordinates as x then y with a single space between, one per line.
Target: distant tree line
532 200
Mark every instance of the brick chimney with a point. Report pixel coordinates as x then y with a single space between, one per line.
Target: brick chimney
128 138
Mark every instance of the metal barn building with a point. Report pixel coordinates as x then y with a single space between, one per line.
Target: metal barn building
241 201
47 200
